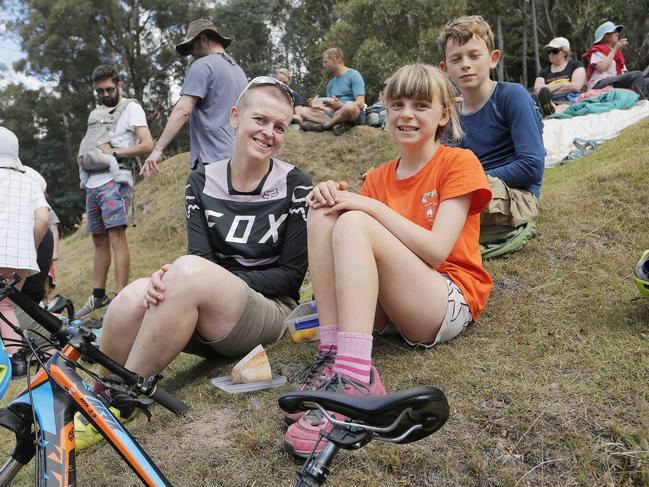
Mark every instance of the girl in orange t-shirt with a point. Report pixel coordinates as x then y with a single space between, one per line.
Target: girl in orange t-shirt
409 242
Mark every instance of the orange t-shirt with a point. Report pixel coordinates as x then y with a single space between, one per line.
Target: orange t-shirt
451 173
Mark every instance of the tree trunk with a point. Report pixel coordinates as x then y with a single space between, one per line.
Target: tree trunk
500 69
535 38
524 47
549 18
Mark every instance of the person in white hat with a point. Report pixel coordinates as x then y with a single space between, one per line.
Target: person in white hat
24 219
563 79
606 64
211 88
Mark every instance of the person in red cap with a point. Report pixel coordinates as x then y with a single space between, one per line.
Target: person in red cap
212 86
606 65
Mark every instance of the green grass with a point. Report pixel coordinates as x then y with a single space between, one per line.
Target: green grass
549 388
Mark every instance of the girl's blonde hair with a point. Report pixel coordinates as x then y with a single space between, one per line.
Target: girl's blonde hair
426 83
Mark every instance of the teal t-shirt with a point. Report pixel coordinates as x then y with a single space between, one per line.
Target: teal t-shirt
347 86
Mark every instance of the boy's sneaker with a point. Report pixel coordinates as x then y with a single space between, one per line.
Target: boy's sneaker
314 377
92 304
301 437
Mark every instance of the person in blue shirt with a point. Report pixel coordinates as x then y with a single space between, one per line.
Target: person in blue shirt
345 98
502 124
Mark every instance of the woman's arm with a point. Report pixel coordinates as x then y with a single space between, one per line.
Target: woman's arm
538 84
576 83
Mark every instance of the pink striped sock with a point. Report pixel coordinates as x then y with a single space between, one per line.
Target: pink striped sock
354 358
328 338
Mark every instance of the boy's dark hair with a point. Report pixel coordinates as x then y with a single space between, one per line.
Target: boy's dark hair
105 71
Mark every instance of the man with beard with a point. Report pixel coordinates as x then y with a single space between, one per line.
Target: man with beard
117 132
211 88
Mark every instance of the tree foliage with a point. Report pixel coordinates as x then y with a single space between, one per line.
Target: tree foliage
65 39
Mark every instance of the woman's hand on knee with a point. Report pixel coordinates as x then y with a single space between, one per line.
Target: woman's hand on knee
324 194
155 289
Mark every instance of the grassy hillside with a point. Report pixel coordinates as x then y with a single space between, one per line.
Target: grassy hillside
549 388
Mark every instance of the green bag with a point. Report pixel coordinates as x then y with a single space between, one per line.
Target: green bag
500 240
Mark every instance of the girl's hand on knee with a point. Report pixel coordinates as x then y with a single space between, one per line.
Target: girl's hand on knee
348 201
324 194
155 289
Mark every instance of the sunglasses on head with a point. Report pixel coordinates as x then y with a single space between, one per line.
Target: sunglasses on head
109 91
553 51
268 81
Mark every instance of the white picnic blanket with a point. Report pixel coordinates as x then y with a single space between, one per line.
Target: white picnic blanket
559 134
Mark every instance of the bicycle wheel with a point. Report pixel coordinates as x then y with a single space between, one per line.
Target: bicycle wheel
39 470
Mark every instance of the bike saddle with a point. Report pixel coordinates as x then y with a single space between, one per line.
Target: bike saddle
401 417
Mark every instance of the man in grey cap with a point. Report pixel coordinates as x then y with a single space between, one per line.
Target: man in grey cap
606 65
213 83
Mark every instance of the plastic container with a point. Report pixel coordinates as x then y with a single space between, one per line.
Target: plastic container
303 323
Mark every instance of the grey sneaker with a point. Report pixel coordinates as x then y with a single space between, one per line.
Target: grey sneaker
314 377
92 304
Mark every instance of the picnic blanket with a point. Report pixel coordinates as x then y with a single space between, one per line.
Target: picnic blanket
611 100
559 134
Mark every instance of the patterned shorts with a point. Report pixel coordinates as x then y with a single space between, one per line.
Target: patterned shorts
107 206
457 318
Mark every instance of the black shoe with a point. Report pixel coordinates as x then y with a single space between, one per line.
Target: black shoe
312 127
341 128
545 102
18 365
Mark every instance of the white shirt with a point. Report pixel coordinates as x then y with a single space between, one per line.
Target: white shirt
133 116
20 196
597 76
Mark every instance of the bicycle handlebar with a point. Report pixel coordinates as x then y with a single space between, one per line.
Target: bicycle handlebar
168 401
50 322
57 328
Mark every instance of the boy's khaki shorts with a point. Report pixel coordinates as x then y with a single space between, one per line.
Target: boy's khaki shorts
262 322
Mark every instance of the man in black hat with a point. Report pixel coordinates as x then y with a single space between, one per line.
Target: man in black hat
212 86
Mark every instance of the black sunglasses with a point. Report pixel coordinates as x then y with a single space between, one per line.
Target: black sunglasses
109 91
553 51
268 81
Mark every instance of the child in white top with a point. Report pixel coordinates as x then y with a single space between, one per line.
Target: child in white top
24 218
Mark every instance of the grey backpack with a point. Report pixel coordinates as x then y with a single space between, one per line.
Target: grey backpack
101 123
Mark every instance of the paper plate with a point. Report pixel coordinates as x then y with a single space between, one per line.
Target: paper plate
227 385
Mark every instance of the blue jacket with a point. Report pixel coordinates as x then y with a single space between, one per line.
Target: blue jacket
507 136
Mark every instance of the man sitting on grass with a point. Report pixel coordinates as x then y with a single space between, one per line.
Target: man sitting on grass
345 99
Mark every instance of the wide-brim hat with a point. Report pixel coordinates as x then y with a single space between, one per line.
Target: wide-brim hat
196 28
606 28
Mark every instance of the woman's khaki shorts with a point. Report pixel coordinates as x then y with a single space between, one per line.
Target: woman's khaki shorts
262 322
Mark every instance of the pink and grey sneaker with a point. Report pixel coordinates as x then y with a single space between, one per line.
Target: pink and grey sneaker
314 377
301 437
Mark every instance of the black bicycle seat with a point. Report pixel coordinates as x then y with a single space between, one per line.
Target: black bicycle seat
424 406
